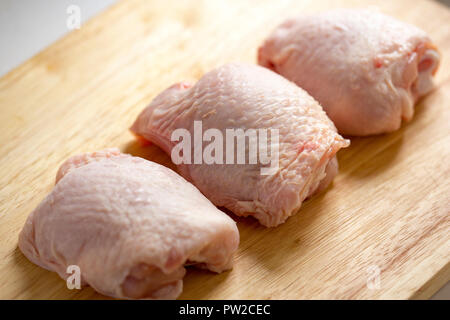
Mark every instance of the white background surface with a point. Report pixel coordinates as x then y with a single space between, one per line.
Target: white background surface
28 26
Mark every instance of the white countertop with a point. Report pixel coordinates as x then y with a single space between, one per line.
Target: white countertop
28 26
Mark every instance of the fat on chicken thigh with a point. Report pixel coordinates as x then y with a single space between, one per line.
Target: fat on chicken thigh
366 69
241 96
129 224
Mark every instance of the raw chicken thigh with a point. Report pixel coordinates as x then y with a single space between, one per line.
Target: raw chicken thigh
366 69
129 224
249 97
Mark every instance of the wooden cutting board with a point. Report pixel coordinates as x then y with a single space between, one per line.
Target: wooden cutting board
387 211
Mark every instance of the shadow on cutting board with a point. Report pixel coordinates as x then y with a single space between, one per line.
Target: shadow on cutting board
369 156
150 152
263 249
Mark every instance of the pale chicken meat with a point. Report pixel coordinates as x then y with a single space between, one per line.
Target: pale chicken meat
241 96
129 224
366 69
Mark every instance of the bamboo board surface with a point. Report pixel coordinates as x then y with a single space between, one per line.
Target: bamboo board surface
389 206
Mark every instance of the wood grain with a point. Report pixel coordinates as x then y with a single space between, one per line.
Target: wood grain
388 207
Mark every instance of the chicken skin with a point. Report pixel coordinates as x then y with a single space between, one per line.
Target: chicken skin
241 96
129 224
366 69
